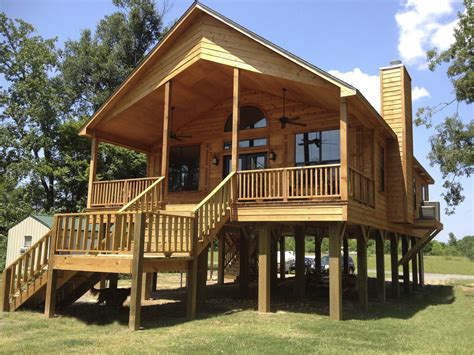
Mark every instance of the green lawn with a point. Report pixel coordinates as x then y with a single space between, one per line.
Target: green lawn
434 320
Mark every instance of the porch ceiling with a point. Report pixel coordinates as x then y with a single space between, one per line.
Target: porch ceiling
195 91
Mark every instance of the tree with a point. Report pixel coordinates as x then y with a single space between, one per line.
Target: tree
466 247
452 144
50 93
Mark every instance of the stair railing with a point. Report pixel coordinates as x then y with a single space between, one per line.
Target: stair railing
25 269
209 212
149 200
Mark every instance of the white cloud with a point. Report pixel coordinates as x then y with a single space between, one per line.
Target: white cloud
424 24
419 93
369 85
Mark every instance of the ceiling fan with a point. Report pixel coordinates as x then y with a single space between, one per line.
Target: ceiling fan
174 135
287 120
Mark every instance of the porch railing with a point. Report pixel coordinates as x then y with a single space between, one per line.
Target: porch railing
114 233
361 188
116 193
294 183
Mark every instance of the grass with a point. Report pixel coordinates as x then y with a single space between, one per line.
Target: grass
433 320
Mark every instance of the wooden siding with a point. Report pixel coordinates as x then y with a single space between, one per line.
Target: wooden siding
16 236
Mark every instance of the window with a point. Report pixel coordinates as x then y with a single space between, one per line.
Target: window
250 161
382 169
184 168
28 240
250 117
317 148
247 143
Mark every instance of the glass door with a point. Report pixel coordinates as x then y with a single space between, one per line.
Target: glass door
249 161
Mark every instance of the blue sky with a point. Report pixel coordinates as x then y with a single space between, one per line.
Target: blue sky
350 38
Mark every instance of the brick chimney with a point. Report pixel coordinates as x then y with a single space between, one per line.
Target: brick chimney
395 88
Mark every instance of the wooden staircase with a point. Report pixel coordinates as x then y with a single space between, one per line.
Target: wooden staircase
112 234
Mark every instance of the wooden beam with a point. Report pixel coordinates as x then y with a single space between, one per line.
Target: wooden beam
220 258
300 280
146 286
5 293
235 119
92 168
414 266
406 266
380 264
282 258
137 272
165 152
362 278
244 272
344 144
394 265
264 268
336 232
121 141
420 244
50 298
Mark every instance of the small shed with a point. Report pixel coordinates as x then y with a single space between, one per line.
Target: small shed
25 233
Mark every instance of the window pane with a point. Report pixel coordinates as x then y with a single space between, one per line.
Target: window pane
313 148
250 117
184 168
247 143
28 239
330 146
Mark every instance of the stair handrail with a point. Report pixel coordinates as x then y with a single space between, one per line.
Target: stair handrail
130 206
207 212
27 267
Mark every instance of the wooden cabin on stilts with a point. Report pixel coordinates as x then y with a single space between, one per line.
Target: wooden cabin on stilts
246 144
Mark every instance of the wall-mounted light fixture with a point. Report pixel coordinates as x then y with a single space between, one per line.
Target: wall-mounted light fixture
215 160
271 155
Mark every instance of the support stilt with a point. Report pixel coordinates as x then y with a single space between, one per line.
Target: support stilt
282 258
406 266
336 233
380 261
362 268
244 266
394 265
299 262
264 268
414 266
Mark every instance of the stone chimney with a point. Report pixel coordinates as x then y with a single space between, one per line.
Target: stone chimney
395 89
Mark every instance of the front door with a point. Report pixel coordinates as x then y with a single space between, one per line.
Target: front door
251 161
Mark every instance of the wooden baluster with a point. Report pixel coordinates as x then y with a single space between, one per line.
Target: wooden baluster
32 263
25 267
163 232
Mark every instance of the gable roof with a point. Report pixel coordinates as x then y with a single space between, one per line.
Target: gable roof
345 88
46 220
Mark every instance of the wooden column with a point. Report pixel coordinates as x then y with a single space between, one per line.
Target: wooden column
414 266
154 282
202 275
50 298
344 137
394 265
317 252
264 268
273 261
5 295
137 272
113 281
244 266
235 120
362 268
406 266
192 278
147 285
282 258
421 268
299 262
92 168
335 233
345 255
220 258
165 152
380 264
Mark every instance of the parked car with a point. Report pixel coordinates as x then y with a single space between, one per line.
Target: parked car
325 264
308 263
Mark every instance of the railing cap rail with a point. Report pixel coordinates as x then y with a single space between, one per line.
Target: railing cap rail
35 245
289 168
140 195
125 180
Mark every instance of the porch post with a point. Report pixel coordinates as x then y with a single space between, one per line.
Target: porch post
299 262
343 138
380 262
50 298
335 234
394 265
282 258
137 273
414 266
264 268
235 120
92 168
165 152
406 266
5 293
362 268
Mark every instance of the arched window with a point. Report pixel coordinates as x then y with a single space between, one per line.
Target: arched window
250 117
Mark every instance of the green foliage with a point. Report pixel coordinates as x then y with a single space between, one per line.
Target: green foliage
454 247
3 251
50 93
452 144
